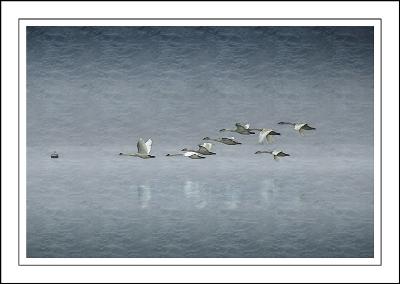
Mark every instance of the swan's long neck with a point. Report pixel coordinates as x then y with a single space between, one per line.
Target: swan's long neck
264 152
289 123
174 155
129 154
230 130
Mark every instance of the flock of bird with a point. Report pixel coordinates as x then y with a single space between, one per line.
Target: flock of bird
204 149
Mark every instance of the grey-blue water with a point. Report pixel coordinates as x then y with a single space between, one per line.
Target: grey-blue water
93 91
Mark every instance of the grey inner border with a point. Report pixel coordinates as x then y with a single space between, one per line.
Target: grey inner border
222 19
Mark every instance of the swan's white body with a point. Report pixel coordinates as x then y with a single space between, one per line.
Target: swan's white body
298 126
266 135
276 152
144 149
247 126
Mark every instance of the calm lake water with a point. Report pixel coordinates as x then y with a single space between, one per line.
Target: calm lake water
92 92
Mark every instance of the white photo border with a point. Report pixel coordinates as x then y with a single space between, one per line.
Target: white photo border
24 261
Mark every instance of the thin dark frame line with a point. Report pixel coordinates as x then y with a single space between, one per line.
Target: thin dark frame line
294 19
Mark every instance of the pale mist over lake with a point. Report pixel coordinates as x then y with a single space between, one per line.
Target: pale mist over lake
93 91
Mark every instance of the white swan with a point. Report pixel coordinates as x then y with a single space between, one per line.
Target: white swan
276 153
299 126
204 149
241 128
224 140
266 135
143 150
189 154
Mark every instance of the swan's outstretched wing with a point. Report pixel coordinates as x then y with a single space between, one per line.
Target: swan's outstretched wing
193 155
263 135
298 126
208 146
276 152
142 147
269 138
148 145
244 125
307 127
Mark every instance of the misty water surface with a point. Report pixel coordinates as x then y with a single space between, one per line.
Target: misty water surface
93 91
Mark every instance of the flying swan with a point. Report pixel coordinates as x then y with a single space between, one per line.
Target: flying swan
143 150
224 140
189 154
241 128
276 153
204 149
301 127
